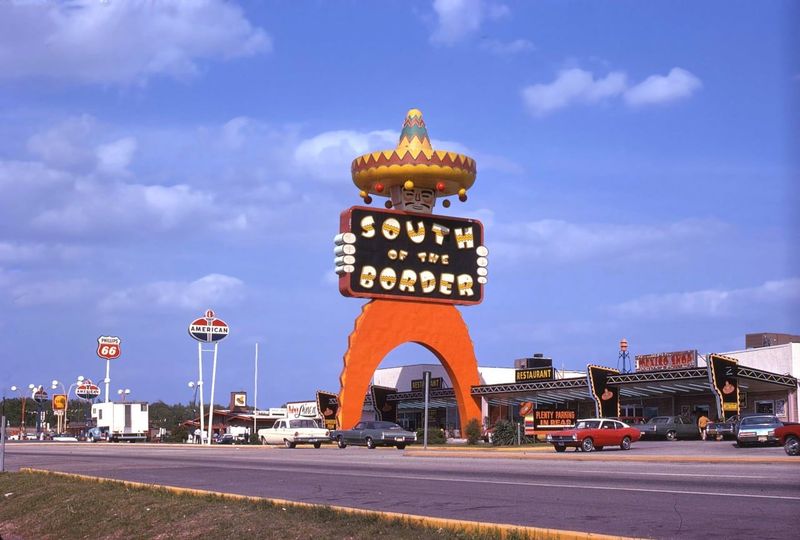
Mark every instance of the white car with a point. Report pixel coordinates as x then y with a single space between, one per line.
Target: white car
293 432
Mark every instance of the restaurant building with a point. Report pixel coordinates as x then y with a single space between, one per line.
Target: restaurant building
758 379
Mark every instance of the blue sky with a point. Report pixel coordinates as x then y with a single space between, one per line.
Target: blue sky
637 177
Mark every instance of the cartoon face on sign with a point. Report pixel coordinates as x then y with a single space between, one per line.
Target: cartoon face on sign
413 200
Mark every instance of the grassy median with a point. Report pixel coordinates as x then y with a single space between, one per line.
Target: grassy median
41 506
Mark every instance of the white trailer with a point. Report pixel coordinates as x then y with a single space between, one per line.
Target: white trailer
123 421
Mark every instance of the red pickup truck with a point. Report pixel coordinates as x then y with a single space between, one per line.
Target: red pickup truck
789 435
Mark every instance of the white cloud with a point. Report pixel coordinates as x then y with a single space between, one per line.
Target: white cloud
571 86
507 48
712 302
212 289
56 291
561 241
16 252
114 158
579 86
121 42
328 156
678 84
457 19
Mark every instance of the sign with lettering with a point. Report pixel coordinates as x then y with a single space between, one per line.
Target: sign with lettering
419 384
87 390
534 374
723 374
302 409
402 255
108 347
540 419
209 328
667 360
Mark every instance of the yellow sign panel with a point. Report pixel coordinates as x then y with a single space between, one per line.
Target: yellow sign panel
730 406
59 402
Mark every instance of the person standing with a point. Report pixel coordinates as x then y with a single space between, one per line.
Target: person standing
702 423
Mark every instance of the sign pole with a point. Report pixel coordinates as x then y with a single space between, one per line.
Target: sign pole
211 402
255 393
427 376
108 377
200 387
3 440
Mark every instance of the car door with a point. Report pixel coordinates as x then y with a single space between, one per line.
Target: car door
606 433
275 435
354 436
689 428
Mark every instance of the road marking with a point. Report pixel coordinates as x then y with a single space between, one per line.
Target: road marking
677 474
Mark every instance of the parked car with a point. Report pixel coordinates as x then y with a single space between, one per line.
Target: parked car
594 434
96 434
64 437
725 429
228 438
373 434
631 420
291 432
670 427
789 435
758 429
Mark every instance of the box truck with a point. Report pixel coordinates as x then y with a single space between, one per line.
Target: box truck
122 421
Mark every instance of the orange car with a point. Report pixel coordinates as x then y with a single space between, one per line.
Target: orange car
595 434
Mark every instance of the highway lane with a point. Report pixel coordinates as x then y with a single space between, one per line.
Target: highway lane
653 499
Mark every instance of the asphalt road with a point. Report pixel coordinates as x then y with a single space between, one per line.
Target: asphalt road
657 499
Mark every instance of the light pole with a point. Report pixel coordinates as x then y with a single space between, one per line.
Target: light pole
38 391
195 386
23 397
56 383
123 393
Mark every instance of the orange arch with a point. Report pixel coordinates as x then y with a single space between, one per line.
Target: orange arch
385 324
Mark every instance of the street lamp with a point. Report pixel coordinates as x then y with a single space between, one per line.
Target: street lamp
39 420
23 397
122 393
194 386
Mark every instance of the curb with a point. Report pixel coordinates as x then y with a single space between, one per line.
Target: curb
596 457
500 529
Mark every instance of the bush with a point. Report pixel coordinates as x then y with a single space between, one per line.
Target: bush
505 433
253 439
177 435
473 431
435 436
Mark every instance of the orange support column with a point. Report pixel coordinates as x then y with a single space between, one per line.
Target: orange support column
384 325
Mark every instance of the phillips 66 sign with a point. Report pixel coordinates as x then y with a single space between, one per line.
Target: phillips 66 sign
108 347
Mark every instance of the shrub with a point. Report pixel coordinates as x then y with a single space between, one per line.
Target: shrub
435 436
473 431
505 433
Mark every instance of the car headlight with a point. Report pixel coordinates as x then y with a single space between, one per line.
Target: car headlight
771 433
549 437
575 437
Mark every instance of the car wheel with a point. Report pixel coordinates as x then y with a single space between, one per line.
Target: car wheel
370 443
587 445
401 446
560 448
672 435
626 443
263 440
340 442
317 444
792 446
288 444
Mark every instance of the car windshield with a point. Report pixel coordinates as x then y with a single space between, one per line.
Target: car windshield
303 424
757 420
387 425
659 420
587 424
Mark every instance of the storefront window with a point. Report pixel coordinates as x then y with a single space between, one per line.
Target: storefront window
765 407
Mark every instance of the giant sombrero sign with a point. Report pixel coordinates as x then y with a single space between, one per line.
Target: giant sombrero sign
209 328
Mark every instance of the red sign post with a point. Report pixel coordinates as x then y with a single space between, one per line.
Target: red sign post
108 348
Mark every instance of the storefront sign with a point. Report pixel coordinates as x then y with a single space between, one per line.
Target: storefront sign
534 374
541 419
238 401
606 398
328 404
302 409
419 384
723 374
39 395
87 390
422 257
667 360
